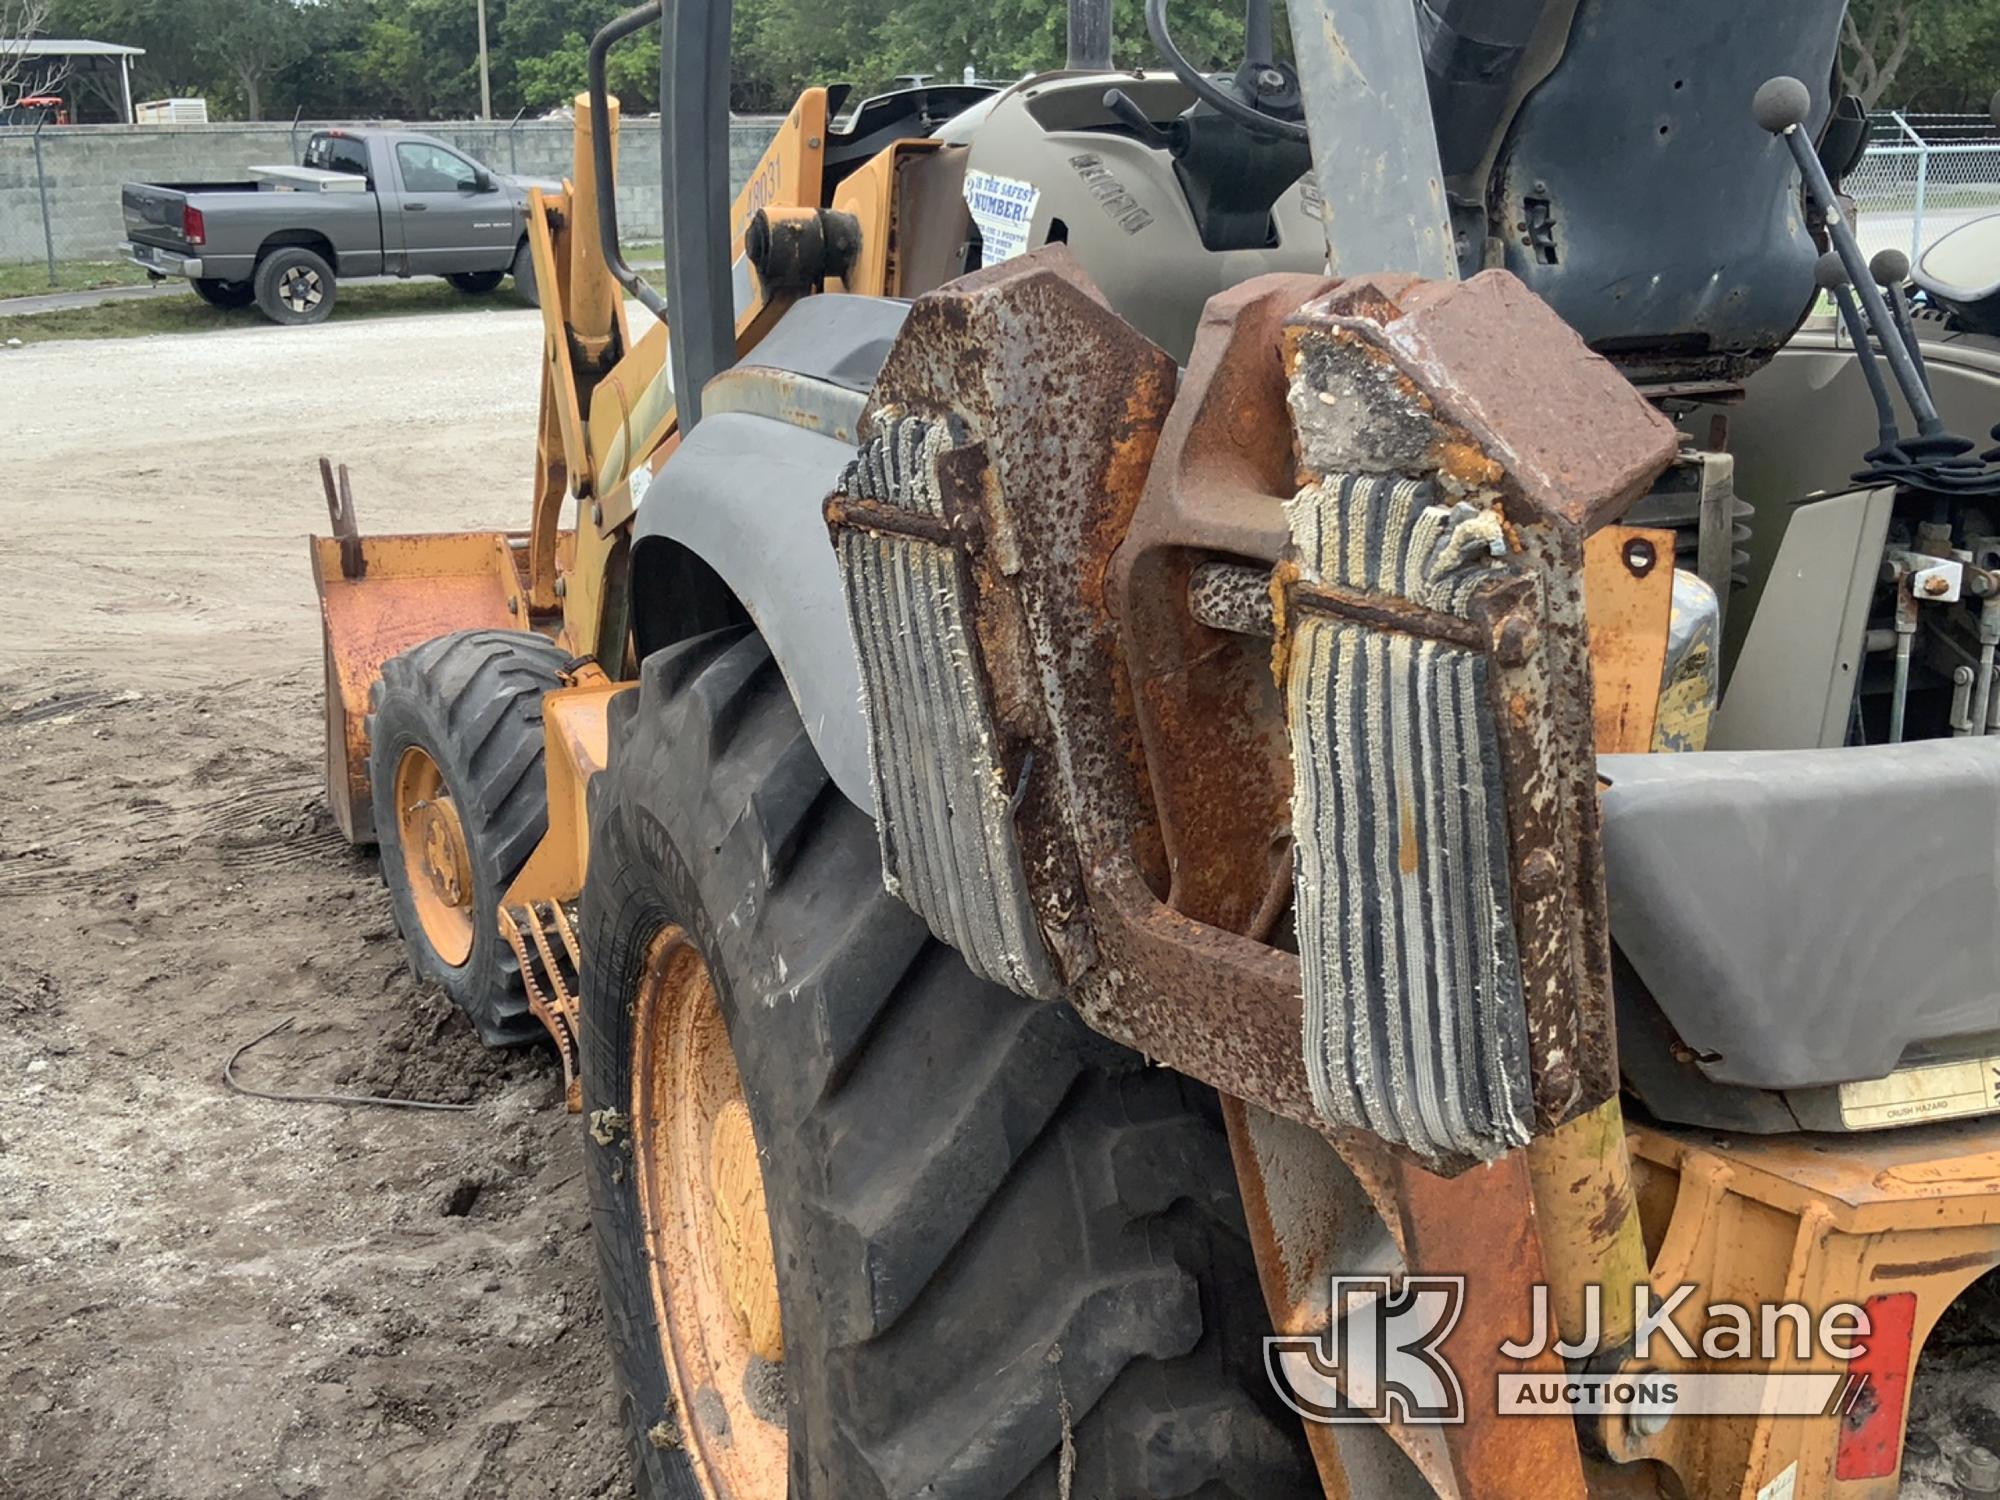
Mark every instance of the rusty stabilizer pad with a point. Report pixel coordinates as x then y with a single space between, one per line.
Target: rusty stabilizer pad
1002 454
1457 443
945 802
1414 1025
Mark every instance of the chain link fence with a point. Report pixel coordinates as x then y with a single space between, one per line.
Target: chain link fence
26 222
1922 177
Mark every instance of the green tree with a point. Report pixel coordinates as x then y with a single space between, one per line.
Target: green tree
782 46
249 41
548 42
1940 55
172 65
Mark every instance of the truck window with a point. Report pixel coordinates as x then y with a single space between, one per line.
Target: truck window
337 153
431 169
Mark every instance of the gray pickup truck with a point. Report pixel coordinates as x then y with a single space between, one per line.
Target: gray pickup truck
370 201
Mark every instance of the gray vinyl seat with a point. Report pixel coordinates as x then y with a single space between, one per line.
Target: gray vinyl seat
1804 918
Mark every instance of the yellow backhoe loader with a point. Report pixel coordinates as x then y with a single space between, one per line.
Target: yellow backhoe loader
1246 783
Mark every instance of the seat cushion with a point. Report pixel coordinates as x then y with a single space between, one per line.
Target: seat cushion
1803 917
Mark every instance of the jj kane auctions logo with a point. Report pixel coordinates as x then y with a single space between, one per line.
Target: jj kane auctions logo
1382 1357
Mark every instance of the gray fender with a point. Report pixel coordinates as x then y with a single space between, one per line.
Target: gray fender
732 524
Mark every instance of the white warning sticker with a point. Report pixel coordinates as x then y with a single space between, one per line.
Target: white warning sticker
1939 1091
1784 1487
1003 208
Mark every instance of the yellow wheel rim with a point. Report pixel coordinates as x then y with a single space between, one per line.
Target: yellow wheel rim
436 865
708 1235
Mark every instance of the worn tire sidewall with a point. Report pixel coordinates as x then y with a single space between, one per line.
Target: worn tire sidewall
625 906
226 295
271 270
524 276
400 722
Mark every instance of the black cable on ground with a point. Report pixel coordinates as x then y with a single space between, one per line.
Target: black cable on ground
349 1100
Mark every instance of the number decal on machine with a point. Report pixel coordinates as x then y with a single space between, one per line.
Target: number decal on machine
1004 210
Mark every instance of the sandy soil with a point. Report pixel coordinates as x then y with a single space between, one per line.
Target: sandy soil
200 1294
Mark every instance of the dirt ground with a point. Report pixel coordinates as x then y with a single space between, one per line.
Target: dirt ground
201 1294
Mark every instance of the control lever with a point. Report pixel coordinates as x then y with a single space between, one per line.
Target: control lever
1127 112
1781 107
1891 268
1934 459
1831 275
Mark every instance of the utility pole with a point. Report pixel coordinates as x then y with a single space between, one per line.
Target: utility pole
485 84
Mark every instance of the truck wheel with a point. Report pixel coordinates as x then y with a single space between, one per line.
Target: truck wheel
293 285
455 762
868 1226
524 276
225 294
476 283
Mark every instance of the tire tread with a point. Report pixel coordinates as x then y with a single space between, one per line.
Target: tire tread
993 1216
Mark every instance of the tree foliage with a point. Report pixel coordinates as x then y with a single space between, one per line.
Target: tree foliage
1938 56
20 74
418 59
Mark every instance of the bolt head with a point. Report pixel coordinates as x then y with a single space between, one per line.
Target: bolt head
1977 1470
1539 872
1513 640
1647 1425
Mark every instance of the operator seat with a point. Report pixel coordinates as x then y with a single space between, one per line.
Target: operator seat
1604 152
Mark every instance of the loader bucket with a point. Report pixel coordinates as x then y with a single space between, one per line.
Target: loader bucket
381 595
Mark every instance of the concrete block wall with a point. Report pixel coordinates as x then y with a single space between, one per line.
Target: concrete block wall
85 165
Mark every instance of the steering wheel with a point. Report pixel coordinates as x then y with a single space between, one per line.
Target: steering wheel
1261 87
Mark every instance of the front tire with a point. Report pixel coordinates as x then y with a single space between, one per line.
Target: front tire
455 763
476 283
294 286
1003 1247
225 294
524 276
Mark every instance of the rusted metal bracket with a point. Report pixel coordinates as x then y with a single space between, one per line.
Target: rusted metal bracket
346 527
1042 412
1027 415
549 971
1075 556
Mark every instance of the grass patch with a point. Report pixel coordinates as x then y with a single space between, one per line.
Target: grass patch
189 314
32 279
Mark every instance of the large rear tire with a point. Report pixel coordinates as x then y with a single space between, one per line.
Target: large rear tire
1009 1257
461 799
